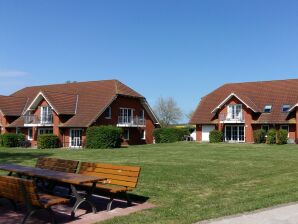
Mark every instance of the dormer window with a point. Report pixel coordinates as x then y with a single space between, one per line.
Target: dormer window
267 109
285 108
108 113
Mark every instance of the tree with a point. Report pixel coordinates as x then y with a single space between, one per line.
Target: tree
167 111
189 115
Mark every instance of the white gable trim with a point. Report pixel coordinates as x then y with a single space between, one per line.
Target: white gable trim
293 107
150 111
36 101
228 98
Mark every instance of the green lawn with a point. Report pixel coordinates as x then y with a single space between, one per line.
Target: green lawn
189 182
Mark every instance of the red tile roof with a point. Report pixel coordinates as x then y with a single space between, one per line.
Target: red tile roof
12 106
256 95
86 100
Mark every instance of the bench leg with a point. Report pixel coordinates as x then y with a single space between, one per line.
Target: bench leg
28 215
109 206
52 215
80 200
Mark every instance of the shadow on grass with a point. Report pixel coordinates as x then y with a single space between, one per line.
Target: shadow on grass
15 157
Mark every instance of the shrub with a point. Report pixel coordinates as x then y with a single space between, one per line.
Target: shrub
271 136
167 135
11 139
259 136
47 141
281 137
215 136
103 137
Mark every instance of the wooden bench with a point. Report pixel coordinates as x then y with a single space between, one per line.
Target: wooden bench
62 165
24 191
120 179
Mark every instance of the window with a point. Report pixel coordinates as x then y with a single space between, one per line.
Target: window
46 115
30 134
234 112
267 108
126 134
285 108
265 127
18 130
143 134
42 131
285 127
126 116
108 113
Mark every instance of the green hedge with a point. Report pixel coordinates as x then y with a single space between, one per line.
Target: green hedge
281 137
103 137
271 136
47 141
215 136
11 140
167 135
259 136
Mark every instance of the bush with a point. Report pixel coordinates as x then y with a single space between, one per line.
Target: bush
103 137
47 141
11 139
167 135
259 136
215 136
271 136
281 137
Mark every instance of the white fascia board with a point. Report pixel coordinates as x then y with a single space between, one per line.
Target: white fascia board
150 111
293 107
228 98
38 97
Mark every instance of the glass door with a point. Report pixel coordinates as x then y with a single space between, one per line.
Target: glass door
75 138
234 133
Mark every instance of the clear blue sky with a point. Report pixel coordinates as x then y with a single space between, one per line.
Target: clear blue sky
182 49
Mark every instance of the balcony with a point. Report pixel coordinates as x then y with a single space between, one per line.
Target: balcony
125 121
232 118
34 120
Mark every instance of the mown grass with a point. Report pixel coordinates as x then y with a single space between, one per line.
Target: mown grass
189 182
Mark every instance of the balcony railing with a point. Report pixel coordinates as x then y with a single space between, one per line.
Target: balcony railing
126 121
232 118
37 120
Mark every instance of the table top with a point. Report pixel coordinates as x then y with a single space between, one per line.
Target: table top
71 178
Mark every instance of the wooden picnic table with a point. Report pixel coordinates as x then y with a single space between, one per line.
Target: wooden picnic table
72 179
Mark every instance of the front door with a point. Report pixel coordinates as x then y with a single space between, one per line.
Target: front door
234 133
75 138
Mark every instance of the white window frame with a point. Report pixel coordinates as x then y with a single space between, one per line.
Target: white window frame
70 137
238 128
124 115
265 125
39 130
45 114
288 128
128 135
28 135
110 112
285 105
232 112
143 134
267 106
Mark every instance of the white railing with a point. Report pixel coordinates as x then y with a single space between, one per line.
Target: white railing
226 117
129 121
34 119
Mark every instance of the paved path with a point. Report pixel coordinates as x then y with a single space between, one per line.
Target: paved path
287 214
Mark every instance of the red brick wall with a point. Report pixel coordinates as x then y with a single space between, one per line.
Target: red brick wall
128 102
199 132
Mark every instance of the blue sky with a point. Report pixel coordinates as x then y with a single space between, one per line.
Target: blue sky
182 49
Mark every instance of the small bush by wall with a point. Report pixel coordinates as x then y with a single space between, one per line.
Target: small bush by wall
11 139
259 136
271 136
167 135
47 141
281 137
215 136
103 137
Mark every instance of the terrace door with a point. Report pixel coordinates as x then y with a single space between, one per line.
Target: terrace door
75 138
234 133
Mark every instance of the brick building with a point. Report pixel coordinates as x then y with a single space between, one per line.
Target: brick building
240 108
67 110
